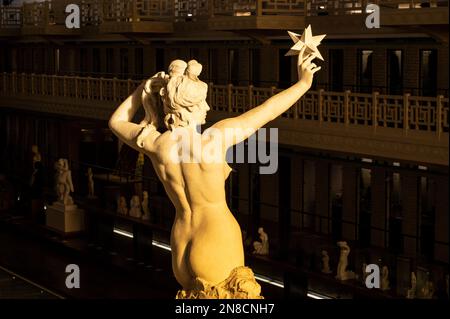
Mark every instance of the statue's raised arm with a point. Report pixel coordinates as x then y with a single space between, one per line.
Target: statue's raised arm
235 130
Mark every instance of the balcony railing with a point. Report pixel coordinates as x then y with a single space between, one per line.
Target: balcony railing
406 112
10 17
343 7
95 12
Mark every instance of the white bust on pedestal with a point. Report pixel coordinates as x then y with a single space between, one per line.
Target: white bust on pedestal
261 247
342 273
135 207
145 209
63 215
325 262
385 278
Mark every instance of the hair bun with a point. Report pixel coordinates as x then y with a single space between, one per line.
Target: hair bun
194 68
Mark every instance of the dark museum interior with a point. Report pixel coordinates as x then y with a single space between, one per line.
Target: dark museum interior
362 156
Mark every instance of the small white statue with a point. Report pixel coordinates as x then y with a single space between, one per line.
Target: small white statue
36 163
135 207
145 209
428 290
90 183
385 278
411 293
325 262
261 247
122 208
342 273
36 154
64 185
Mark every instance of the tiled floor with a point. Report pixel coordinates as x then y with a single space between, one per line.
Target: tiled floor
13 286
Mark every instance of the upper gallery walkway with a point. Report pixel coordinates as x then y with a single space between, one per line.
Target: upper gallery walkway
169 16
402 127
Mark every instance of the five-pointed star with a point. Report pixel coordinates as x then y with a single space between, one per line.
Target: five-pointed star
306 39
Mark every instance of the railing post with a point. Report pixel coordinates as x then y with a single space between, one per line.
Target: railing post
101 89
134 10
259 8
406 113
114 88
4 82
64 86
210 96
346 107
439 116
14 84
23 82
230 97
128 86
43 81
88 87
32 84
375 110
53 86
76 86
320 106
250 96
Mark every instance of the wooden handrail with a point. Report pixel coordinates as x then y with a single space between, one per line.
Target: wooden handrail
348 108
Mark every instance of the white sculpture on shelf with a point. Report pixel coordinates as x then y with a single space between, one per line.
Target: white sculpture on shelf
36 154
411 293
122 208
90 175
64 184
135 207
325 262
145 209
428 290
261 247
63 215
385 278
207 251
342 273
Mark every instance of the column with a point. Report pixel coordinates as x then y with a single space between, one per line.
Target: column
441 229
350 200
411 218
378 218
322 197
296 191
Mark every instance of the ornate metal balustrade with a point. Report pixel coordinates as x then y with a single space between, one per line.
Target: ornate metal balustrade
343 7
10 17
95 12
409 113
137 10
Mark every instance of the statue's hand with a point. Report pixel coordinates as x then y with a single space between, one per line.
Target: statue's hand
306 68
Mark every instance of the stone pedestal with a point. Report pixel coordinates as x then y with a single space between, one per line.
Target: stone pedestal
65 218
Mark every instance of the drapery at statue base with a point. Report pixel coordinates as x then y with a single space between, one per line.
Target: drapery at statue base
206 240
241 284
